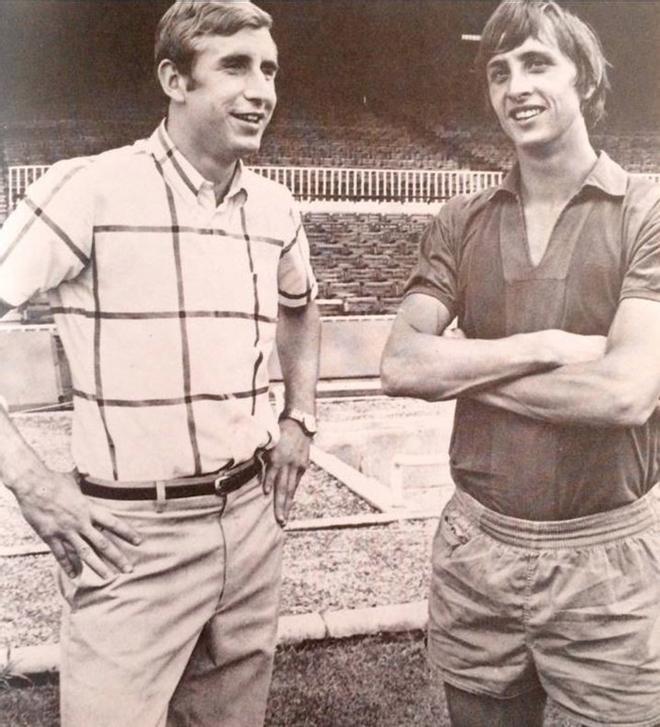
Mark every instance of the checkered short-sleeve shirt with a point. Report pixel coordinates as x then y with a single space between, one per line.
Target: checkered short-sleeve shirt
166 304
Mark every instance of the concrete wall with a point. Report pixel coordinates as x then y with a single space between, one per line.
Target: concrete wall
29 374
32 373
350 347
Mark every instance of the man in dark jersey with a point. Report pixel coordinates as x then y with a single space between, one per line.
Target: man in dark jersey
546 563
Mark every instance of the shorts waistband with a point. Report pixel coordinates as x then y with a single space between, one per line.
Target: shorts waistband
604 527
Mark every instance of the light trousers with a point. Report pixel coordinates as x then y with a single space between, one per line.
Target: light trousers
188 637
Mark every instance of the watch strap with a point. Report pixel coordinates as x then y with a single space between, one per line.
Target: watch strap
307 422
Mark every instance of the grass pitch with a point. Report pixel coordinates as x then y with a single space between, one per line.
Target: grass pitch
370 682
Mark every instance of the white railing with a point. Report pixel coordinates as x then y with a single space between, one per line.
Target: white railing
334 183
339 183
20 178
387 185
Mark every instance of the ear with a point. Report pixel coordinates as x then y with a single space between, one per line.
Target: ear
172 81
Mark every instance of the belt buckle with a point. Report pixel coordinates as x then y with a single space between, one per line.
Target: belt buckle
236 470
228 471
217 485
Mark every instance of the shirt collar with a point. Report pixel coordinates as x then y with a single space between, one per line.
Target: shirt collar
509 185
606 176
181 172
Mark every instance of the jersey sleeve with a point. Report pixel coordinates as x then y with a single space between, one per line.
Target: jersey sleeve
296 283
436 271
642 275
48 237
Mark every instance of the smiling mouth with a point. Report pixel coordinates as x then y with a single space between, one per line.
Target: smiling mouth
526 113
253 118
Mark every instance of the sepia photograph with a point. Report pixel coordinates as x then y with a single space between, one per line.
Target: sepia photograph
330 363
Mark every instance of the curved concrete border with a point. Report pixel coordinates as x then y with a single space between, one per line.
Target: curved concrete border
292 629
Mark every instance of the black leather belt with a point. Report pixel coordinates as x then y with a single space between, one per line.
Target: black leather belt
220 483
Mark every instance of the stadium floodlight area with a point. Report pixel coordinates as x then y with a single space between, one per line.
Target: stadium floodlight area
472 37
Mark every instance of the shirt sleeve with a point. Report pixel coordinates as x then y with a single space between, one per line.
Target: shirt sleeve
436 271
296 283
642 276
48 237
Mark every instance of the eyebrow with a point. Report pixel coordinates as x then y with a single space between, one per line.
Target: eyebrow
271 66
532 54
233 59
525 57
496 63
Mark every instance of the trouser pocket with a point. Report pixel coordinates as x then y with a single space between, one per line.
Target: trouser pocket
454 529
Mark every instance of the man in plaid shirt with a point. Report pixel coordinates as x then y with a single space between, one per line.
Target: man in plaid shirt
171 270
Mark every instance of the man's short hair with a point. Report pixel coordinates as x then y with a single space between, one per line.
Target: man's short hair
187 20
516 20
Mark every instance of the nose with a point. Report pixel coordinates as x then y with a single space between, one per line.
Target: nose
519 83
260 88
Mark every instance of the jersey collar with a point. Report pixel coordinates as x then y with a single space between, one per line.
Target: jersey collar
606 175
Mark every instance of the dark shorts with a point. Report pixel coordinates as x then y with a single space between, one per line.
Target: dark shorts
571 606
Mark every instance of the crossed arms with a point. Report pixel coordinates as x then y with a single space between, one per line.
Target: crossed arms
550 375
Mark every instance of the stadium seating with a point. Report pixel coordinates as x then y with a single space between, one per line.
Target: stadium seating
362 262
351 137
356 137
478 143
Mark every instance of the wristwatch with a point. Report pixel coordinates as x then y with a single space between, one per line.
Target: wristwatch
306 421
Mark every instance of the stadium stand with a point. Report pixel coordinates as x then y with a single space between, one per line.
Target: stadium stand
353 136
477 142
486 148
362 262
356 136
341 135
362 259
47 141
637 151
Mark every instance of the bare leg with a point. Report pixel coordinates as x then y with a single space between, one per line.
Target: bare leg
475 710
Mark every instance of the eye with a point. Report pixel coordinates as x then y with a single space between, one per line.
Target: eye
269 71
497 75
233 66
537 64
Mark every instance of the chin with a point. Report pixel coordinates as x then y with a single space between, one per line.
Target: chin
533 143
250 147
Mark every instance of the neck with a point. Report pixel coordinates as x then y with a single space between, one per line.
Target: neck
218 170
554 173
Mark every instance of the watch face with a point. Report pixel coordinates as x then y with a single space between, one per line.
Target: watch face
306 421
309 422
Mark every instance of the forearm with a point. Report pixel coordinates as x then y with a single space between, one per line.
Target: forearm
433 367
20 465
598 393
298 345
